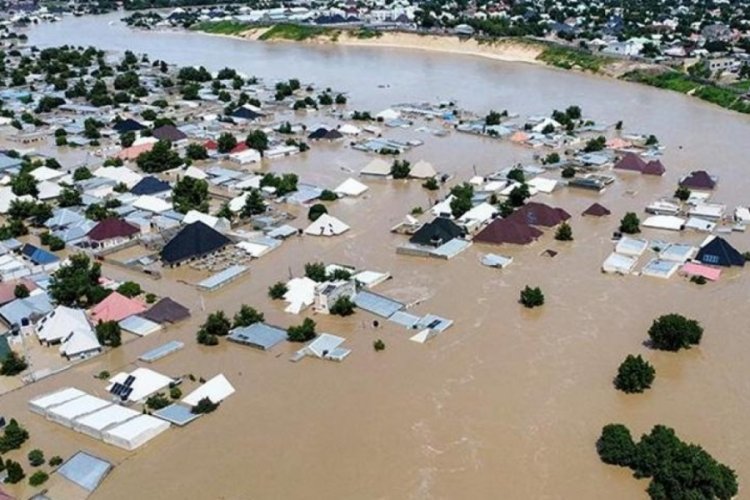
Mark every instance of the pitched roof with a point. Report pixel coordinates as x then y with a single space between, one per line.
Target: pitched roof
38 255
326 225
112 228
508 231
630 161
698 179
246 114
150 185
194 240
718 252
166 311
596 210
169 133
8 289
127 125
440 230
539 214
654 167
116 307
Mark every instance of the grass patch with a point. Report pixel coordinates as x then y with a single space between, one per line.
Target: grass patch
366 33
294 32
569 58
221 27
670 80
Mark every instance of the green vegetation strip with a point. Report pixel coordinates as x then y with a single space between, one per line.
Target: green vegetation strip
685 84
569 58
294 32
221 27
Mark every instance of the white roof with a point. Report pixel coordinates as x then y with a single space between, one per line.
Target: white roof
48 190
444 207
325 343
742 214
709 210
378 166
100 420
388 114
119 174
152 204
217 390
300 294
326 225
251 182
422 170
617 263
669 222
631 246
218 223
237 203
56 398
481 213
350 187
698 224
60 323
254 248
7 197
542 184
146 382
195 173
369 279
46 173
80 406
349 129
136 431
79 342
423 336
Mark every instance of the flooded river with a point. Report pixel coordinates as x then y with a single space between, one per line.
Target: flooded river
508 402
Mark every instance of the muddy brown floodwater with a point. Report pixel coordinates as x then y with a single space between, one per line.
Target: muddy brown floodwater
508 403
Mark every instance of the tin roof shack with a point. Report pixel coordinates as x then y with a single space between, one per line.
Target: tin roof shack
258 335
327 293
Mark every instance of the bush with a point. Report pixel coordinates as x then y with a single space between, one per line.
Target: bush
378 345
634 375
247 316
616 446
564 232
400 169
55 461
15 472
630 224
303 332
698 280
38 478
316 211
682 193
13 364
175 393
36 457
532 297
673 332
205 405
130 289
316 271
431 184
277 290
150 298
157 401
344 306
21 291
568 172
328 195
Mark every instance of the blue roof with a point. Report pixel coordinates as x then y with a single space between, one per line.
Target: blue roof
150 185
377 304
64 217
176 414
7 162
304 194
23 309
259 335
39 256
85 470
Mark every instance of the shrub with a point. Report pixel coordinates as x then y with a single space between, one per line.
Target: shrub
103 375
205 405
55 461
157 401
316 211
616 446
431 184
564 232
175 393
532 297
630 224
303 332
673 332
378 345
15 472
682 193
698 280
21 291
400 169
13 364
328 195
130 289
634 375
150 298
316 271
38 478
277 290
36 457
568 172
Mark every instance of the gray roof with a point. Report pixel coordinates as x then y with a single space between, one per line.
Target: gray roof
62 217
176 414
258 335
85 470
34 306
377 304
161 351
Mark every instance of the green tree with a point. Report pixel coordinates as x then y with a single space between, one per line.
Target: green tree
518 195
630 224
226 142
38 478
616 446
564 232
205 405
673 332
161 157
21 291
81 174
254 204
247 316
517 175
682 193
378 345
129 289
76 284
196 151
158 401
316 211
69 197
14 436
568 172
13 364
635 374
532 297
190 194
316 271
431 184
55 461
343 306
328 195
24 183
277 290
303 332
400 169
109 333
15 472
217 324
127 139
257 140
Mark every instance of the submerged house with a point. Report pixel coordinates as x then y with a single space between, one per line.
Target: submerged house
597 210
631 162
539 214
194 241
327 293
111 232
699 180
501 231
439 231
718 252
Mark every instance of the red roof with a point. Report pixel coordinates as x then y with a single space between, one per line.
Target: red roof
211 145
112 228
507 231
597 210
631 161
699 179
654 167
8 291
116 307
539 214
240 147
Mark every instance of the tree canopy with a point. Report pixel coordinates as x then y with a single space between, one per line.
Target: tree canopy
303 332
76 284
190 193
161 157
635 374
673 332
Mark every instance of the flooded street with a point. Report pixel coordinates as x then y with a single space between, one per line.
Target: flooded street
507 403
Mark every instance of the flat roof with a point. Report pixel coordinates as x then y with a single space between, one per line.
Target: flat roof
56 398
107 416
162 351
222 278
258 335
79 406
85 470
177 414
137 426
377 304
